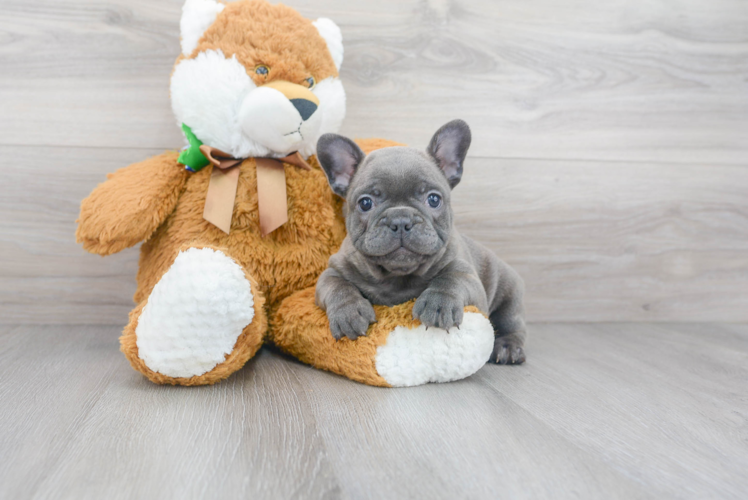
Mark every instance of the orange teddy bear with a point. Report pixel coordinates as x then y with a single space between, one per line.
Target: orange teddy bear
240 224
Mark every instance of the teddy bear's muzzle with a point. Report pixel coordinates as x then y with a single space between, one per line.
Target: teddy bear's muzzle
280 115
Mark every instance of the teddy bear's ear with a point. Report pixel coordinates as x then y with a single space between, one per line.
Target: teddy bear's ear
334 38
197 16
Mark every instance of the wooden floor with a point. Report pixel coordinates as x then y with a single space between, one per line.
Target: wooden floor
599 411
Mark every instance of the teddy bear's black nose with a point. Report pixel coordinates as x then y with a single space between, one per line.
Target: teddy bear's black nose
305 107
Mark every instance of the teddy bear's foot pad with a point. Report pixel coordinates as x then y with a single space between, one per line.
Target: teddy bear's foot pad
195 314
415 356
397 351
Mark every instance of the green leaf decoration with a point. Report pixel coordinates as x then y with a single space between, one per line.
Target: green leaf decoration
192 158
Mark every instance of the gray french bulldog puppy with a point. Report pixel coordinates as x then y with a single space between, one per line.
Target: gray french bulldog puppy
401 243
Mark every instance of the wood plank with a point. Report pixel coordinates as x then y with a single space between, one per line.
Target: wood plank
78 422
594 241
51 378
668 396
44 275
599 241
639 80
456 441
605 410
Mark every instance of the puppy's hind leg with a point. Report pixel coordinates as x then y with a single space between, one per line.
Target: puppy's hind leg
509 324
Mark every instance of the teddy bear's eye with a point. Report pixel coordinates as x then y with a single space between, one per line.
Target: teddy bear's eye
262 70
310 82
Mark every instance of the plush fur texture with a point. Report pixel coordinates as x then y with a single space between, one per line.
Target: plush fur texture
206 93
289 259
249 342
195 314
213 85
379 358
419 355
197 16
200 289
334 38
130 205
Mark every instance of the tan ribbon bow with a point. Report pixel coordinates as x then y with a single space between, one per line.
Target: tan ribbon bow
272 199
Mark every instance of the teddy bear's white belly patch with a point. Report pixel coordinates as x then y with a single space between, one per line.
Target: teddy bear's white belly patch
419 356
195 314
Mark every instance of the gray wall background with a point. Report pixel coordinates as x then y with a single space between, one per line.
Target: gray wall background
608 166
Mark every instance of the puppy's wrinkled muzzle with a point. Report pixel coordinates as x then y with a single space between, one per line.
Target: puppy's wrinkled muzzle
400 220
401 234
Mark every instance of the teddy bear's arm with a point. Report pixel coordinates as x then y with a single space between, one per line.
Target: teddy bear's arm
129 206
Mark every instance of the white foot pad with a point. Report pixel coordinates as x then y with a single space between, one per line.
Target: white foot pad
419 356
195 314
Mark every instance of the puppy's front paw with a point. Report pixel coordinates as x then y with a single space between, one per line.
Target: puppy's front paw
439 309
351 319
507 350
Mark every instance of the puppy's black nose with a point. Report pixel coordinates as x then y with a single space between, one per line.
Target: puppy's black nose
305 107
400 224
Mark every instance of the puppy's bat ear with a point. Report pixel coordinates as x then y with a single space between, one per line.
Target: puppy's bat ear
339 157
449 147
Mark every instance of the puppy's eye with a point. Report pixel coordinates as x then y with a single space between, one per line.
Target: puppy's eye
434 200
262 70
310 82
365 204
